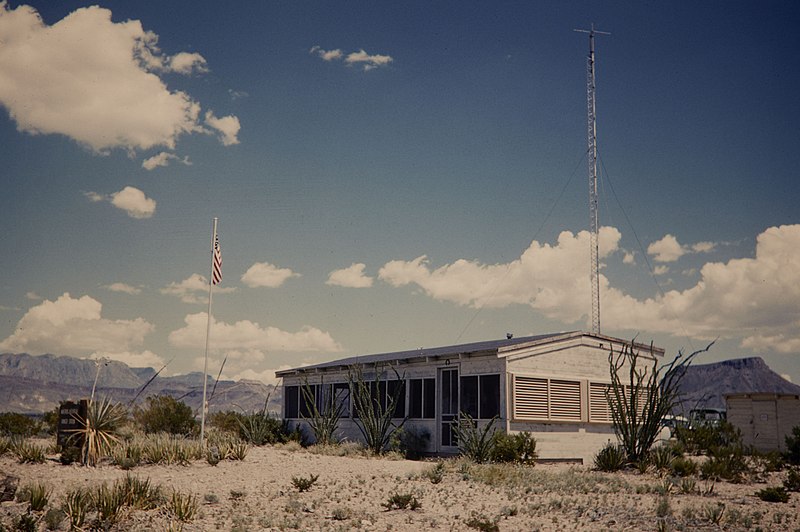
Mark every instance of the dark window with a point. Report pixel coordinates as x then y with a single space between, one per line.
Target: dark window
399 388
341 393
469 396
422 398
415 398
305 405
490 396
429 396
290 401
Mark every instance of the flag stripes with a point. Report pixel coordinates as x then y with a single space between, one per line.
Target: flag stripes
216 272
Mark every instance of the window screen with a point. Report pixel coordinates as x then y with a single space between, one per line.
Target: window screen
290 402
469 396
415 398
429 398
490 396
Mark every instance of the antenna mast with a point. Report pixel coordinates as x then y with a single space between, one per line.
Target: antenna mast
594 222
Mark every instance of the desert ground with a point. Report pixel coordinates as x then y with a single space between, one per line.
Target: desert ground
353 492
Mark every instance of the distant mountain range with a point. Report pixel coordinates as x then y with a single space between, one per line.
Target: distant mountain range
704 385
37 384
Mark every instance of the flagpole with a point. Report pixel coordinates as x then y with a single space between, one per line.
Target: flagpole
204 406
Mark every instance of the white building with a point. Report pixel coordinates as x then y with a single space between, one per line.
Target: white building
553 386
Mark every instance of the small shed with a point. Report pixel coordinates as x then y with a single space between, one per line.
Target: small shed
765 419
553 386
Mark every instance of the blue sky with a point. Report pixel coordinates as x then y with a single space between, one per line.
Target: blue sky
394 175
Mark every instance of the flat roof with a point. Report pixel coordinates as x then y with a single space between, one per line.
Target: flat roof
470 349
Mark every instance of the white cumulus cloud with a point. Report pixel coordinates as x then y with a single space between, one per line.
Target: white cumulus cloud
194 289
551 279
264 274
227 127
130 199
350 277
666 250
93 80
75 327
163 159
359 58
248 335
124 288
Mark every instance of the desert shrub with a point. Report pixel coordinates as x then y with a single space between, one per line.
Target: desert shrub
683 467
26 523
139 493
661 457
164 413
401 501
374 415
36 495
792 482
19 425
519 448
793 446
474 442
76 505
688 486
28 452
168 449
703 437
341 513
412 442
303 483
435 474
610 458
53 518
640 401
773 494
109 502
261 428
771 461
325 413
725 463
227 421
183 506
238 451
127 455
483 523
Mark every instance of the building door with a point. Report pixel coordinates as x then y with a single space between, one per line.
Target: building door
448 408
765 425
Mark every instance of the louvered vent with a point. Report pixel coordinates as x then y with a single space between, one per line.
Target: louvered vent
599 410
530 398
565 400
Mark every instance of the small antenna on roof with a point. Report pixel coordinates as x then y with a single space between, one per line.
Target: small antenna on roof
509 336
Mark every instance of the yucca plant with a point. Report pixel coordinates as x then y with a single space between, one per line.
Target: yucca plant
611 458
183 507
108 501
238 451
36 495
139 493
28 452
77 504
99 430
325 413
474 442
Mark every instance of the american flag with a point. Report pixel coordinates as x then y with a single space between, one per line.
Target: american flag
216 275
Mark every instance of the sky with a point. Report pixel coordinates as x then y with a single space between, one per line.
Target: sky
394 175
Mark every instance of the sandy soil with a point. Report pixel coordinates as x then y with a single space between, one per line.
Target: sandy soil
351 493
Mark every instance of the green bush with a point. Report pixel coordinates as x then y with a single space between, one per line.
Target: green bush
164 413
260 428
726 463
792 482
703 437
793 446
228 421
401 501
773 494
610 458
303 483
13 424
683 467
519 448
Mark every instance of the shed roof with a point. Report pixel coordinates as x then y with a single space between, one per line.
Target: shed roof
496 347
